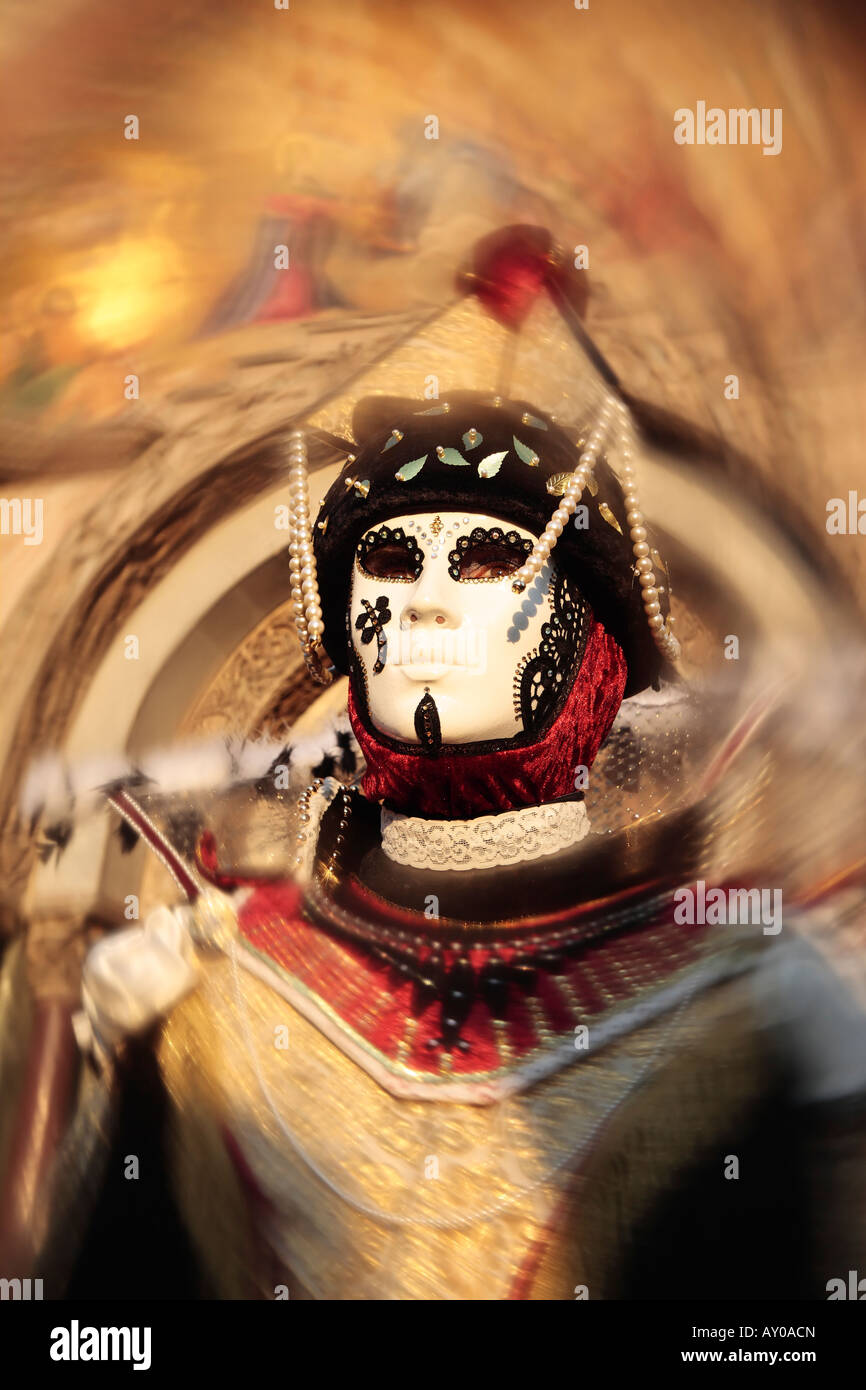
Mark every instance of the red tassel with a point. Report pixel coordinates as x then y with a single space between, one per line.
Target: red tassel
511 268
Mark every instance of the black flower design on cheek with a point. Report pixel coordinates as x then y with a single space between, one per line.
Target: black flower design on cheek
370 624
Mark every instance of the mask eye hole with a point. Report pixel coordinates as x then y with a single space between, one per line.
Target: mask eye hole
488 561
388 562
392 555
488 555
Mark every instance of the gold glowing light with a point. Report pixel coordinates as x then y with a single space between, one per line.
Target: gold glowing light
132 293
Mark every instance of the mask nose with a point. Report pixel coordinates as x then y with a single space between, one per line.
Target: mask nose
431 604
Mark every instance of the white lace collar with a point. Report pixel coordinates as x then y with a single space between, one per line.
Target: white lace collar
508 838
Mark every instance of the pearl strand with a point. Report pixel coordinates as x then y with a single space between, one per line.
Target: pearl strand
306 604
296 459
304 820
540 553
662 635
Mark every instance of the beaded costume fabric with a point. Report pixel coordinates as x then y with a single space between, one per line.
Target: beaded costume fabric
359 1194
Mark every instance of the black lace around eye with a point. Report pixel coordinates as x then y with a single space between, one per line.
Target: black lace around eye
390 554
485 555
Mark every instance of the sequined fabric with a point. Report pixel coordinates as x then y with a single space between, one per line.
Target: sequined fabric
359 1195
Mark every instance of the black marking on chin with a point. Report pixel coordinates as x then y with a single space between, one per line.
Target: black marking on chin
427 724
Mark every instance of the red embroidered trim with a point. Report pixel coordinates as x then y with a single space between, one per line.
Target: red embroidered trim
376 1003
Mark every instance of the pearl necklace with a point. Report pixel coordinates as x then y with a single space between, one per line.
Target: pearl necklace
574 488
664 638
614 414
306 600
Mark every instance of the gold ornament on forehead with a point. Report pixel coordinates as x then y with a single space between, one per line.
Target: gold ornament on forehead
437 525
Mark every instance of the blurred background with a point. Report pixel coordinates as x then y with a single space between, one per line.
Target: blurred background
152 357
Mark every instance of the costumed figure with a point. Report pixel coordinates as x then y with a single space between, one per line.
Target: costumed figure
469 1047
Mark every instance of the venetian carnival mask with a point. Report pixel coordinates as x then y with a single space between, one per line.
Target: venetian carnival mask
429 577
444 648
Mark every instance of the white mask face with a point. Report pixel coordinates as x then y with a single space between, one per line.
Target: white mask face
432 611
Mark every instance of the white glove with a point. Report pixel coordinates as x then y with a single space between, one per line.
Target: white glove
133 977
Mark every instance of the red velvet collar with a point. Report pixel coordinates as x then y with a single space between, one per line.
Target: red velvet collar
463 785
